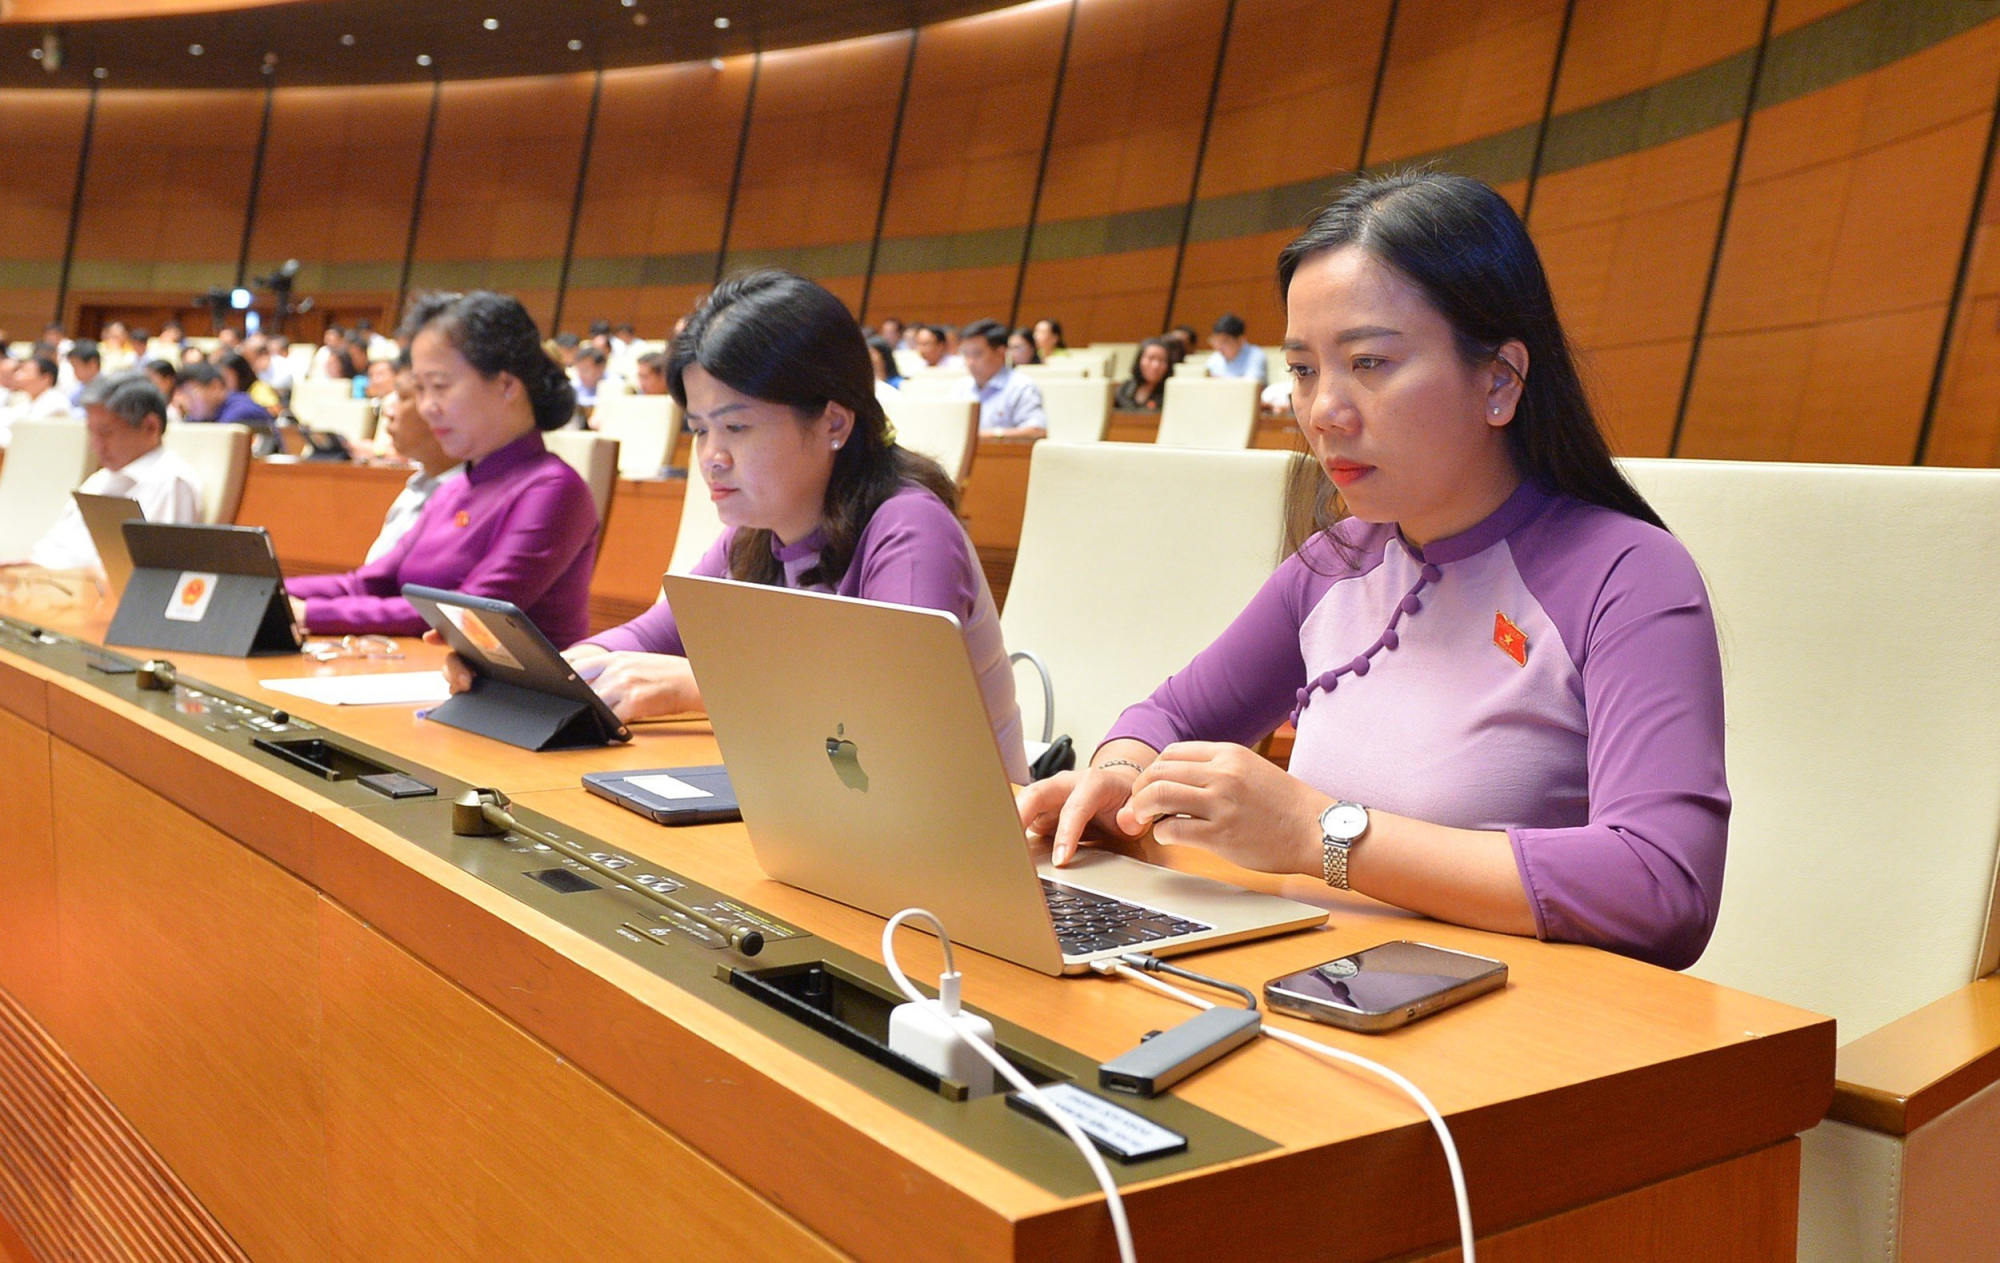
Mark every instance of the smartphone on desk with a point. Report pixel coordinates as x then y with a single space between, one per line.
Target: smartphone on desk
1384 987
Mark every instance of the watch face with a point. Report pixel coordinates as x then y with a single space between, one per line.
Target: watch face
1344 822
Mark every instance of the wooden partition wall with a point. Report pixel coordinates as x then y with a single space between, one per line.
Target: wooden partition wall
1759 218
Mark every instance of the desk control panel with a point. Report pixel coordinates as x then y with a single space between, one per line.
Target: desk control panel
819 1000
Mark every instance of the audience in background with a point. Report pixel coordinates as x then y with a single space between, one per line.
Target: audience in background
275 365
1184 337
381 380
891 330
410 438
1049 343
169 344
36 395
1146 389
652 373
208 394
243 379
520 525
115 348
931 343
167 380
625 351
85 362
882 355
125 417
1021 349
591 378
1234 357
1010 405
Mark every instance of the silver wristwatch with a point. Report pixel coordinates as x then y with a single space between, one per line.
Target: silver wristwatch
1340 827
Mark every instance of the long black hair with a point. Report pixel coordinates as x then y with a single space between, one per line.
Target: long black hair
495 334
778 337
1462 245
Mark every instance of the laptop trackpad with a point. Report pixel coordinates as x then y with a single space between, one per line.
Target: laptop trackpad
1186 895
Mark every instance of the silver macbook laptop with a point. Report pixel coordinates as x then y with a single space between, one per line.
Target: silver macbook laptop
867 770
105 517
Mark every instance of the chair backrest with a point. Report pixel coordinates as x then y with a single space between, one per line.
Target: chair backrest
221 455
352 419
314 396
1118 357
1859 615
595 456
908 361
932 384
45 462
1214 412
1070 366
1078 408
946 430
646 427
700 524
1112 520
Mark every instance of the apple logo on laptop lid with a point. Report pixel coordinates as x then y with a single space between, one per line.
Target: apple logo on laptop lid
846 759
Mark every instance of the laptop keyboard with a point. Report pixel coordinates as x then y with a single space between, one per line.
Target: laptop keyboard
1088 922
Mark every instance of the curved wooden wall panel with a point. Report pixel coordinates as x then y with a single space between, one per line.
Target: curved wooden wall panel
1627 239
501 187
1842 247
1965 429
818 148
1293 98
1051 158
960 195
340 176
1121 162
165 193
38 152
653 206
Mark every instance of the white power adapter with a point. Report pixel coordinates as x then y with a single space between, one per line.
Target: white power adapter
935 1040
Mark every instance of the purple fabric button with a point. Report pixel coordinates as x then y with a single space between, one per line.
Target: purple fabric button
1359 666
1431 574
1410 604
1390 640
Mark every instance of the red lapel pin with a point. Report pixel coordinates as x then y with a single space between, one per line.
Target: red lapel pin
1512 640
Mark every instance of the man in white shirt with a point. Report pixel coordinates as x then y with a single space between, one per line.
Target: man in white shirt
930 342
1010 405
38 397
125 416
1233 356
411 438
85 362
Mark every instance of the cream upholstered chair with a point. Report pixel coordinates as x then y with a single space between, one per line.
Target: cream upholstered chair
1118 357
1859 615
595 456
221 455
700 525
316 397
909 362
1216 412
352 419
45 462
1110 520
1078 408
932 384
946 430
1067 367
646 427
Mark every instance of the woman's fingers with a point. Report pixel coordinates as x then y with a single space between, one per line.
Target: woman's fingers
457 676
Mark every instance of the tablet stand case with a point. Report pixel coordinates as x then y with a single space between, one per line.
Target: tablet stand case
248 613
522 717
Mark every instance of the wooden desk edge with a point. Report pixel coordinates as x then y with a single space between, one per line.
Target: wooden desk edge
1903 1075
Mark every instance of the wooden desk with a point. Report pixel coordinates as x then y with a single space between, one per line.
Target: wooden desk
341 1045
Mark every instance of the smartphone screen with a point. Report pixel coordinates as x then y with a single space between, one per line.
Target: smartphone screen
1386 978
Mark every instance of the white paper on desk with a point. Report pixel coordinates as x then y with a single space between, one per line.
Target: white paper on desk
389 688
660 785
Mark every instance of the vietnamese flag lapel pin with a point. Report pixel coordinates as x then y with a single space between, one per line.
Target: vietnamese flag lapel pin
1512 640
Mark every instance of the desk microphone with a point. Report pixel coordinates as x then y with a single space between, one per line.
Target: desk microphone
482 813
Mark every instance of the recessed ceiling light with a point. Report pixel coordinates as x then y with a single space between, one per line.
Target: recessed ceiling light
347 41
195 50
100 73
715 63
722 24
639 19
628 3
423 59
576 46
491 24
36 53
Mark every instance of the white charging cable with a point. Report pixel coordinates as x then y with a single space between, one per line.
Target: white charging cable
1465 1242
946 1007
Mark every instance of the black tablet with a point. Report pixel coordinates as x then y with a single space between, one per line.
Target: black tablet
670 795
523 692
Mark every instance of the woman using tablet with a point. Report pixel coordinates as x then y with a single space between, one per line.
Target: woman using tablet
520 525
1502 668
807 477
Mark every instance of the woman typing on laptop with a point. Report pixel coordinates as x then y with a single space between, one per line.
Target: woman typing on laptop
813 490
1502 668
